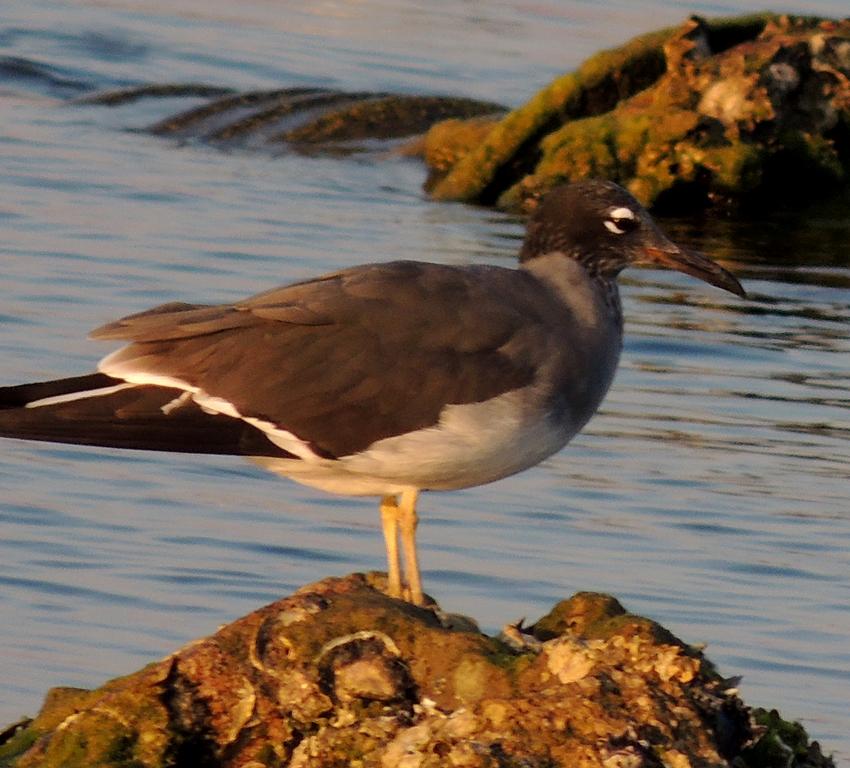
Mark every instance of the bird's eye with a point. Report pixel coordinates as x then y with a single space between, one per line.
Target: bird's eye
621 220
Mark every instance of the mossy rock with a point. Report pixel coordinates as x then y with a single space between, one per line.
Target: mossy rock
720 112
780 742
341 674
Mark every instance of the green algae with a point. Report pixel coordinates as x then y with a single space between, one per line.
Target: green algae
595 82
722 112
20 738
783 743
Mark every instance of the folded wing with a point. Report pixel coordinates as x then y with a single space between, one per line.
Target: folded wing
339 362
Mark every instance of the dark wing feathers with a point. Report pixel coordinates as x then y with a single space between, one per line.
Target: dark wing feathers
349 358
18 396
173 321
128 418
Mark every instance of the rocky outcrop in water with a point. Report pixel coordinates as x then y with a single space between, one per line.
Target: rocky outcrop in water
725 112
718 112
339 674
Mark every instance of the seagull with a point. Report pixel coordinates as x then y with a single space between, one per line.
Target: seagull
384 379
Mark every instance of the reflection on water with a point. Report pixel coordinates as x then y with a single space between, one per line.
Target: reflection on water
710 492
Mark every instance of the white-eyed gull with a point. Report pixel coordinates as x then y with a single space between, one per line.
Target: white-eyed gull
384 379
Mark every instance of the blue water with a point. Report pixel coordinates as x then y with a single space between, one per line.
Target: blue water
710 492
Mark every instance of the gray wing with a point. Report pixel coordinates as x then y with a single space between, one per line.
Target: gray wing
344 360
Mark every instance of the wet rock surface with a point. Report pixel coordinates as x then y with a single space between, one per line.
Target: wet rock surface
720 112
723 112
339 674
304 119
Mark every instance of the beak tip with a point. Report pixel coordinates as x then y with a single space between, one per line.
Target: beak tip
734 286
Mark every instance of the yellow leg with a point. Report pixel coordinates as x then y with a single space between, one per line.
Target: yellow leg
389 522
407 521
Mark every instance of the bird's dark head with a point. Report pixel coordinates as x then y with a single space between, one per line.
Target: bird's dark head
601 225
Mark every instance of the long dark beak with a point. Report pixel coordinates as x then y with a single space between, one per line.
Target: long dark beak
695 264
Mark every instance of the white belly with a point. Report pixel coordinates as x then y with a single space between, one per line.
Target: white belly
471 445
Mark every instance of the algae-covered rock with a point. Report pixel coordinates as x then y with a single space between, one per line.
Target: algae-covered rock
715 112
339 674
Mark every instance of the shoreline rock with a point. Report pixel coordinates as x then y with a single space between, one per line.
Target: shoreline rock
728 113
718 112
339 674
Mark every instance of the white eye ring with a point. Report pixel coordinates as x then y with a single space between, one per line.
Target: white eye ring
618 214
621 213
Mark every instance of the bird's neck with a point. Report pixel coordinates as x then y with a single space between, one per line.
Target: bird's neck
610 292
586 292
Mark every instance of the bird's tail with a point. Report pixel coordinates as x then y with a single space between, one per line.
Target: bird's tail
100 410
